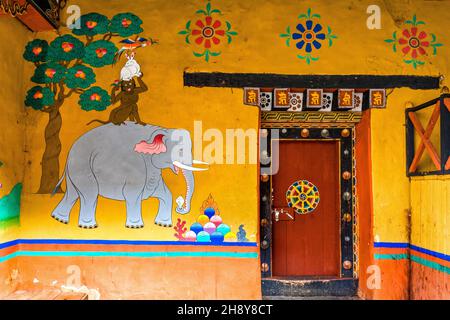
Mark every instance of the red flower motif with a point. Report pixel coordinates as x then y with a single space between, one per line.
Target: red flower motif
414 42
208 31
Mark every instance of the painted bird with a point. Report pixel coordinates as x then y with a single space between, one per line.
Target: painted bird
133 44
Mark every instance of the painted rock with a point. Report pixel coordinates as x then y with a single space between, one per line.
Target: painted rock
209 227
190 236
217 220
223 228
203 236
230 236
210 212
196 227
203 219
217 237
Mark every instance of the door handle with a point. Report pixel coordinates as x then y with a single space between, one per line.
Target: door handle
276 212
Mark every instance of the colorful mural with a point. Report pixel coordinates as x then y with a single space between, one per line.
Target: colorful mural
10 205
415 44
208 32
125 163
209 227
309 36
64 67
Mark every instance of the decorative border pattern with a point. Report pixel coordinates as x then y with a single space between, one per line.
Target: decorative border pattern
313 117
123 248
405 251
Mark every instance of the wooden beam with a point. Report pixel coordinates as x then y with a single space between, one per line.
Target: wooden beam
268 80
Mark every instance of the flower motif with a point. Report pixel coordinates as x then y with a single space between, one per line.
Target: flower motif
79 76
36 51
39 97
92 24
66 48
100 53
48 73
125 24
208 31
309 36
414 42
94 98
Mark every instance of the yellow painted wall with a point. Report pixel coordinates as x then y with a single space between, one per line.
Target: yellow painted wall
13 37
430 205
256 48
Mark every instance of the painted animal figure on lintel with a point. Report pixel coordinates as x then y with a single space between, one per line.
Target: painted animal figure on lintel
125 163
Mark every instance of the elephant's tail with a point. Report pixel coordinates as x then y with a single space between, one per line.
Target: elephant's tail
96 120
59 183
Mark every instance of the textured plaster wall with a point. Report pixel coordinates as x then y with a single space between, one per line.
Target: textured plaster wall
13 37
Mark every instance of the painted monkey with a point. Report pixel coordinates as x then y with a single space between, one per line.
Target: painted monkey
128 98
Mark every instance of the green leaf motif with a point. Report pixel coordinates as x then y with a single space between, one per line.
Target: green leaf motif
308 15
414 21
308 58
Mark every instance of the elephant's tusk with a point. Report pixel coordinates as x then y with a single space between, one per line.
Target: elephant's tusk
185 167
200 162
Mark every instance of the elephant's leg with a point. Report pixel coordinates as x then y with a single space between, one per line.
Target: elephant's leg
164 216
88 205
134 210
88 192
62 211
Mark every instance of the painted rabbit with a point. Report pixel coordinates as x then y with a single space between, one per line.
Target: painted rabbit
131 68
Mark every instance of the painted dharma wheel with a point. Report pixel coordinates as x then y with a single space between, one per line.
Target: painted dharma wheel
303 196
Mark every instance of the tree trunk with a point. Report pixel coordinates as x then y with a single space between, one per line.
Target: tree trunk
50 159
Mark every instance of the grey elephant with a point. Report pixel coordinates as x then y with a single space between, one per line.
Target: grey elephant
125 163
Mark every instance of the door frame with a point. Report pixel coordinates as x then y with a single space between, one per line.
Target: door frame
345 136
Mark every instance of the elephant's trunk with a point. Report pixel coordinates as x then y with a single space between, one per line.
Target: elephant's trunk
189 178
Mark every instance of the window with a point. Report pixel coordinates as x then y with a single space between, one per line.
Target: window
428 147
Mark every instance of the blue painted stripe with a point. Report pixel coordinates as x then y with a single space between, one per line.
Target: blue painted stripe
124 242
432 253
435 254
167 254
9 244
391 245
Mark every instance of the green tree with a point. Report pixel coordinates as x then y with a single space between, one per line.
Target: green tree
63 68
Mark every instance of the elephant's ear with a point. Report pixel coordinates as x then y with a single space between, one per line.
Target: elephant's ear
157 146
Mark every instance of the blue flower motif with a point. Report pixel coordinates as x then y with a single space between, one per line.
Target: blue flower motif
309 36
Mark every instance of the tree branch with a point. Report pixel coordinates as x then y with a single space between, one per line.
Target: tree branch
69 94
61 90
109 35
54 88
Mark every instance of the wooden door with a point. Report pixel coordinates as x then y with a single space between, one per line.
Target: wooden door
308 244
